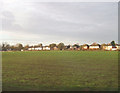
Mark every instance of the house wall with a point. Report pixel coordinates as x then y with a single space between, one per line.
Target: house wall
118 47
46 48
55 48
85 48
38 48
114 49
94 47
107 47
30 48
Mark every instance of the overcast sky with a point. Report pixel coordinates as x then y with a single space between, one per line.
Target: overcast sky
54 22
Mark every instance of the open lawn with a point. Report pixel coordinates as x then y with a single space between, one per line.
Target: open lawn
60 70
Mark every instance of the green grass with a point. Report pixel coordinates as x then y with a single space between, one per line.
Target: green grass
60 70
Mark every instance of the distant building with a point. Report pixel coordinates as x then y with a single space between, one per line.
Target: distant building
71 47
31 48
109 47
46 48
55 48
118 46
114 48
38 48
85 47
94 46
34 48
76 47
22 50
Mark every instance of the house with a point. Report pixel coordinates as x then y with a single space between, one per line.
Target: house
46 48
76 47
38 48
111 48
114 48
118 46
22 50
34 48
70 48
85 47
31 48
107 47
94 46
55 48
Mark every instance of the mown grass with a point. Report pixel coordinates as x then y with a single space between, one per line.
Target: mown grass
60 70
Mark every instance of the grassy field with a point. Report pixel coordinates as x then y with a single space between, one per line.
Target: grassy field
60 70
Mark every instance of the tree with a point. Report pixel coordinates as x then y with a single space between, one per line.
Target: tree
68 46
113 43
52 46
84 45
8 47
76 45
12 48
26 47
39 45
61 46
102 45
19 47
5 46
81 47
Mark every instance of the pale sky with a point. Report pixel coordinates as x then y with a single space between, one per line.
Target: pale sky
32 22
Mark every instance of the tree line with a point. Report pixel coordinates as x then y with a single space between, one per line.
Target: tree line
18 47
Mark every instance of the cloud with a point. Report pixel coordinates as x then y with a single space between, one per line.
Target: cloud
8 22
65 22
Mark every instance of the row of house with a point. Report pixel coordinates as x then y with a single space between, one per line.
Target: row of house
93 46
39 48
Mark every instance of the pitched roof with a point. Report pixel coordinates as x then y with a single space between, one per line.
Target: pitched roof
95 44
85 45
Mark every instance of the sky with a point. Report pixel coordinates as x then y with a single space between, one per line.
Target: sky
33 22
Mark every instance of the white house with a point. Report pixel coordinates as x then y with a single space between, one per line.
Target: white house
85 47
22 50
38 48
114 48
109 47
94 46
30 48
55 48
46 48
